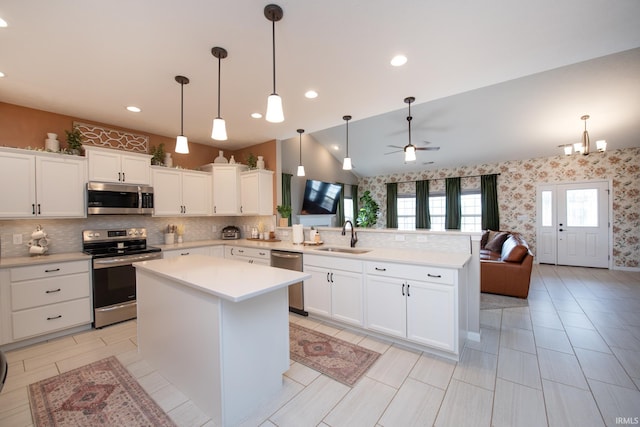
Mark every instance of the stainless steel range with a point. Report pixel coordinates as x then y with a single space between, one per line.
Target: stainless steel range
114 278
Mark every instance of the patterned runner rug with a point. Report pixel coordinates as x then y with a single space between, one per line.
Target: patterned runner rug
101 393
338 359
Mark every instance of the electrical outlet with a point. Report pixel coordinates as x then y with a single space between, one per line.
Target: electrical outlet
214 228
17 239
399 237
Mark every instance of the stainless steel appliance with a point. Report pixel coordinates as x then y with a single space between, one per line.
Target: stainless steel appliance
230 232
291 261
114 278
105 198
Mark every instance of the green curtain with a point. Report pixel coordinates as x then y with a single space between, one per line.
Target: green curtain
423 219
453 211
392 205
340 211
286 191
354 199
489 202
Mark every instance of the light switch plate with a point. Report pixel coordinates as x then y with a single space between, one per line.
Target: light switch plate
17 239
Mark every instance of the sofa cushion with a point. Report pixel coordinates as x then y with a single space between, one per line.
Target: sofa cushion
495 245
516 254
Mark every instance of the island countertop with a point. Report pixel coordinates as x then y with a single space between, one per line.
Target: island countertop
228 279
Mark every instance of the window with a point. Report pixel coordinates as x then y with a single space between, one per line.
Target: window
437 205
348 210
407 212
471 212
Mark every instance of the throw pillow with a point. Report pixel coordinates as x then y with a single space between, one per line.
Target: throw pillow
495 245
484 239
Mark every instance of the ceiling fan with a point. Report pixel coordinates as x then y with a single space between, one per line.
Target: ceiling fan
418 148
410 149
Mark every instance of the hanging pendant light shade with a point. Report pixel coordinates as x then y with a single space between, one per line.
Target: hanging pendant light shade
182 144
274 13
219 128
300 167
582 147
409 149
346 163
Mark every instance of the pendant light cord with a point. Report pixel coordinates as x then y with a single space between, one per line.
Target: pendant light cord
300 148
181 109
409 118
273 44
219 68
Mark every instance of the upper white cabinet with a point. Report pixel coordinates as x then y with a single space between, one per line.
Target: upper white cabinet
107 165
226 187
40 184
181 192
256 192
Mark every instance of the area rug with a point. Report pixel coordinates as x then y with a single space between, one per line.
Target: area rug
101 393
492 301
338 359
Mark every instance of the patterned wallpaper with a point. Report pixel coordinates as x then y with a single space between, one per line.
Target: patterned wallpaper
517 192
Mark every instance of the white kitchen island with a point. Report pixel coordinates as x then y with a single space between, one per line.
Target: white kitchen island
217 329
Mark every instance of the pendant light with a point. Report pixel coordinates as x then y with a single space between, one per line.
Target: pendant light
182 144
219 129
409 149
583 146
346 163
300 167
274 13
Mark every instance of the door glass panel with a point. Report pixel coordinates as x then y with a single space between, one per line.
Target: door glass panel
582 208
547 208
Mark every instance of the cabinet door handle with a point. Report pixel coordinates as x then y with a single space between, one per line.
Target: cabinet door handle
38 208
327 276
214 209
408 294
33 208
185 253
380 269
54 317
262 253
120 176
240 209
241 251
403 289
123 178
437 276
53 291
331 277
52 271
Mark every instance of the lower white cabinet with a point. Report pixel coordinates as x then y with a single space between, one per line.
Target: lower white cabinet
418 303
44 298
335 288
250 255
202 250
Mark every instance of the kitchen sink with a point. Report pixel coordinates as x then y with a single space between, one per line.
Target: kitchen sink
344 250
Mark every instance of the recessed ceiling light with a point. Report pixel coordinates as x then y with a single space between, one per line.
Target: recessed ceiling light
3 23
311 94
335 147
398 60
256 115
133 109
1 74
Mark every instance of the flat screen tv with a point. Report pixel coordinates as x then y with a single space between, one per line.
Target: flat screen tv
320 198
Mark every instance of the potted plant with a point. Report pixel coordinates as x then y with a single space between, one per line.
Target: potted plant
74 141
252 161
158 155
368 213
285 213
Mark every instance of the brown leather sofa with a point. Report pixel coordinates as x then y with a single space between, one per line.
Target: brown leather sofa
505 267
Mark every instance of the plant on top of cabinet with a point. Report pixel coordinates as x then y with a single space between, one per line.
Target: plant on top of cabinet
74 141
252 161
158 155
368 213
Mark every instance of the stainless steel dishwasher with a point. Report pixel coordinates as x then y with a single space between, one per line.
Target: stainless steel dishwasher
291 261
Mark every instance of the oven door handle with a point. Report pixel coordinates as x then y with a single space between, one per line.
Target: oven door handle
120 261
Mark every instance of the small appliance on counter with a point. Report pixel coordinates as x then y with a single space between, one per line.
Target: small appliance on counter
230 232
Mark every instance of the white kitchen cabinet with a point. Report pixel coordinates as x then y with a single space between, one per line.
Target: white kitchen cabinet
419 303
44 298
180 192
226 187
216 251
335 288
108 165
256 192
48 185
173 253
250 255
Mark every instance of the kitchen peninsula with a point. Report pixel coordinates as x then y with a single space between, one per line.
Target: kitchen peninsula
217 329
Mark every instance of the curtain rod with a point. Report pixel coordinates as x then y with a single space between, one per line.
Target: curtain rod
435 179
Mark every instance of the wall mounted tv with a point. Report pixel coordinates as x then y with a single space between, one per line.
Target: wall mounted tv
320 198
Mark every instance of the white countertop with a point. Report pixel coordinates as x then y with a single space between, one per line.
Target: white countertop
228 279
23 261
405 256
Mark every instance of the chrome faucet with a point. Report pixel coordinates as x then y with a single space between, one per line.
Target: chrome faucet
354 235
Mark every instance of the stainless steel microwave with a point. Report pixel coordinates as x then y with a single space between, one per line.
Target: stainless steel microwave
105 198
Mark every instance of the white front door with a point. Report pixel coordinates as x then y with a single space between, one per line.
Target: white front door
573 224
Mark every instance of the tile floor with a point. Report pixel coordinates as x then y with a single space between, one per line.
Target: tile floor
571 358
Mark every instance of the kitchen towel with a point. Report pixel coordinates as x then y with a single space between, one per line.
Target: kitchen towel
297 234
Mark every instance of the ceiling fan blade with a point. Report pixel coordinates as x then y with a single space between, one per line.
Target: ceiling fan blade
396 146
428 148
393 152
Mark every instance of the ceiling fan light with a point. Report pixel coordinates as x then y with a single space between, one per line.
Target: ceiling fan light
346 164
219 129
601 145
410 153
300 170
182 145
274 109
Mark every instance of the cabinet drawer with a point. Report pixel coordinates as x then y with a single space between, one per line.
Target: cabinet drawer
412 272
203 250
51 290
257 253
333 262
48 270
42 320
